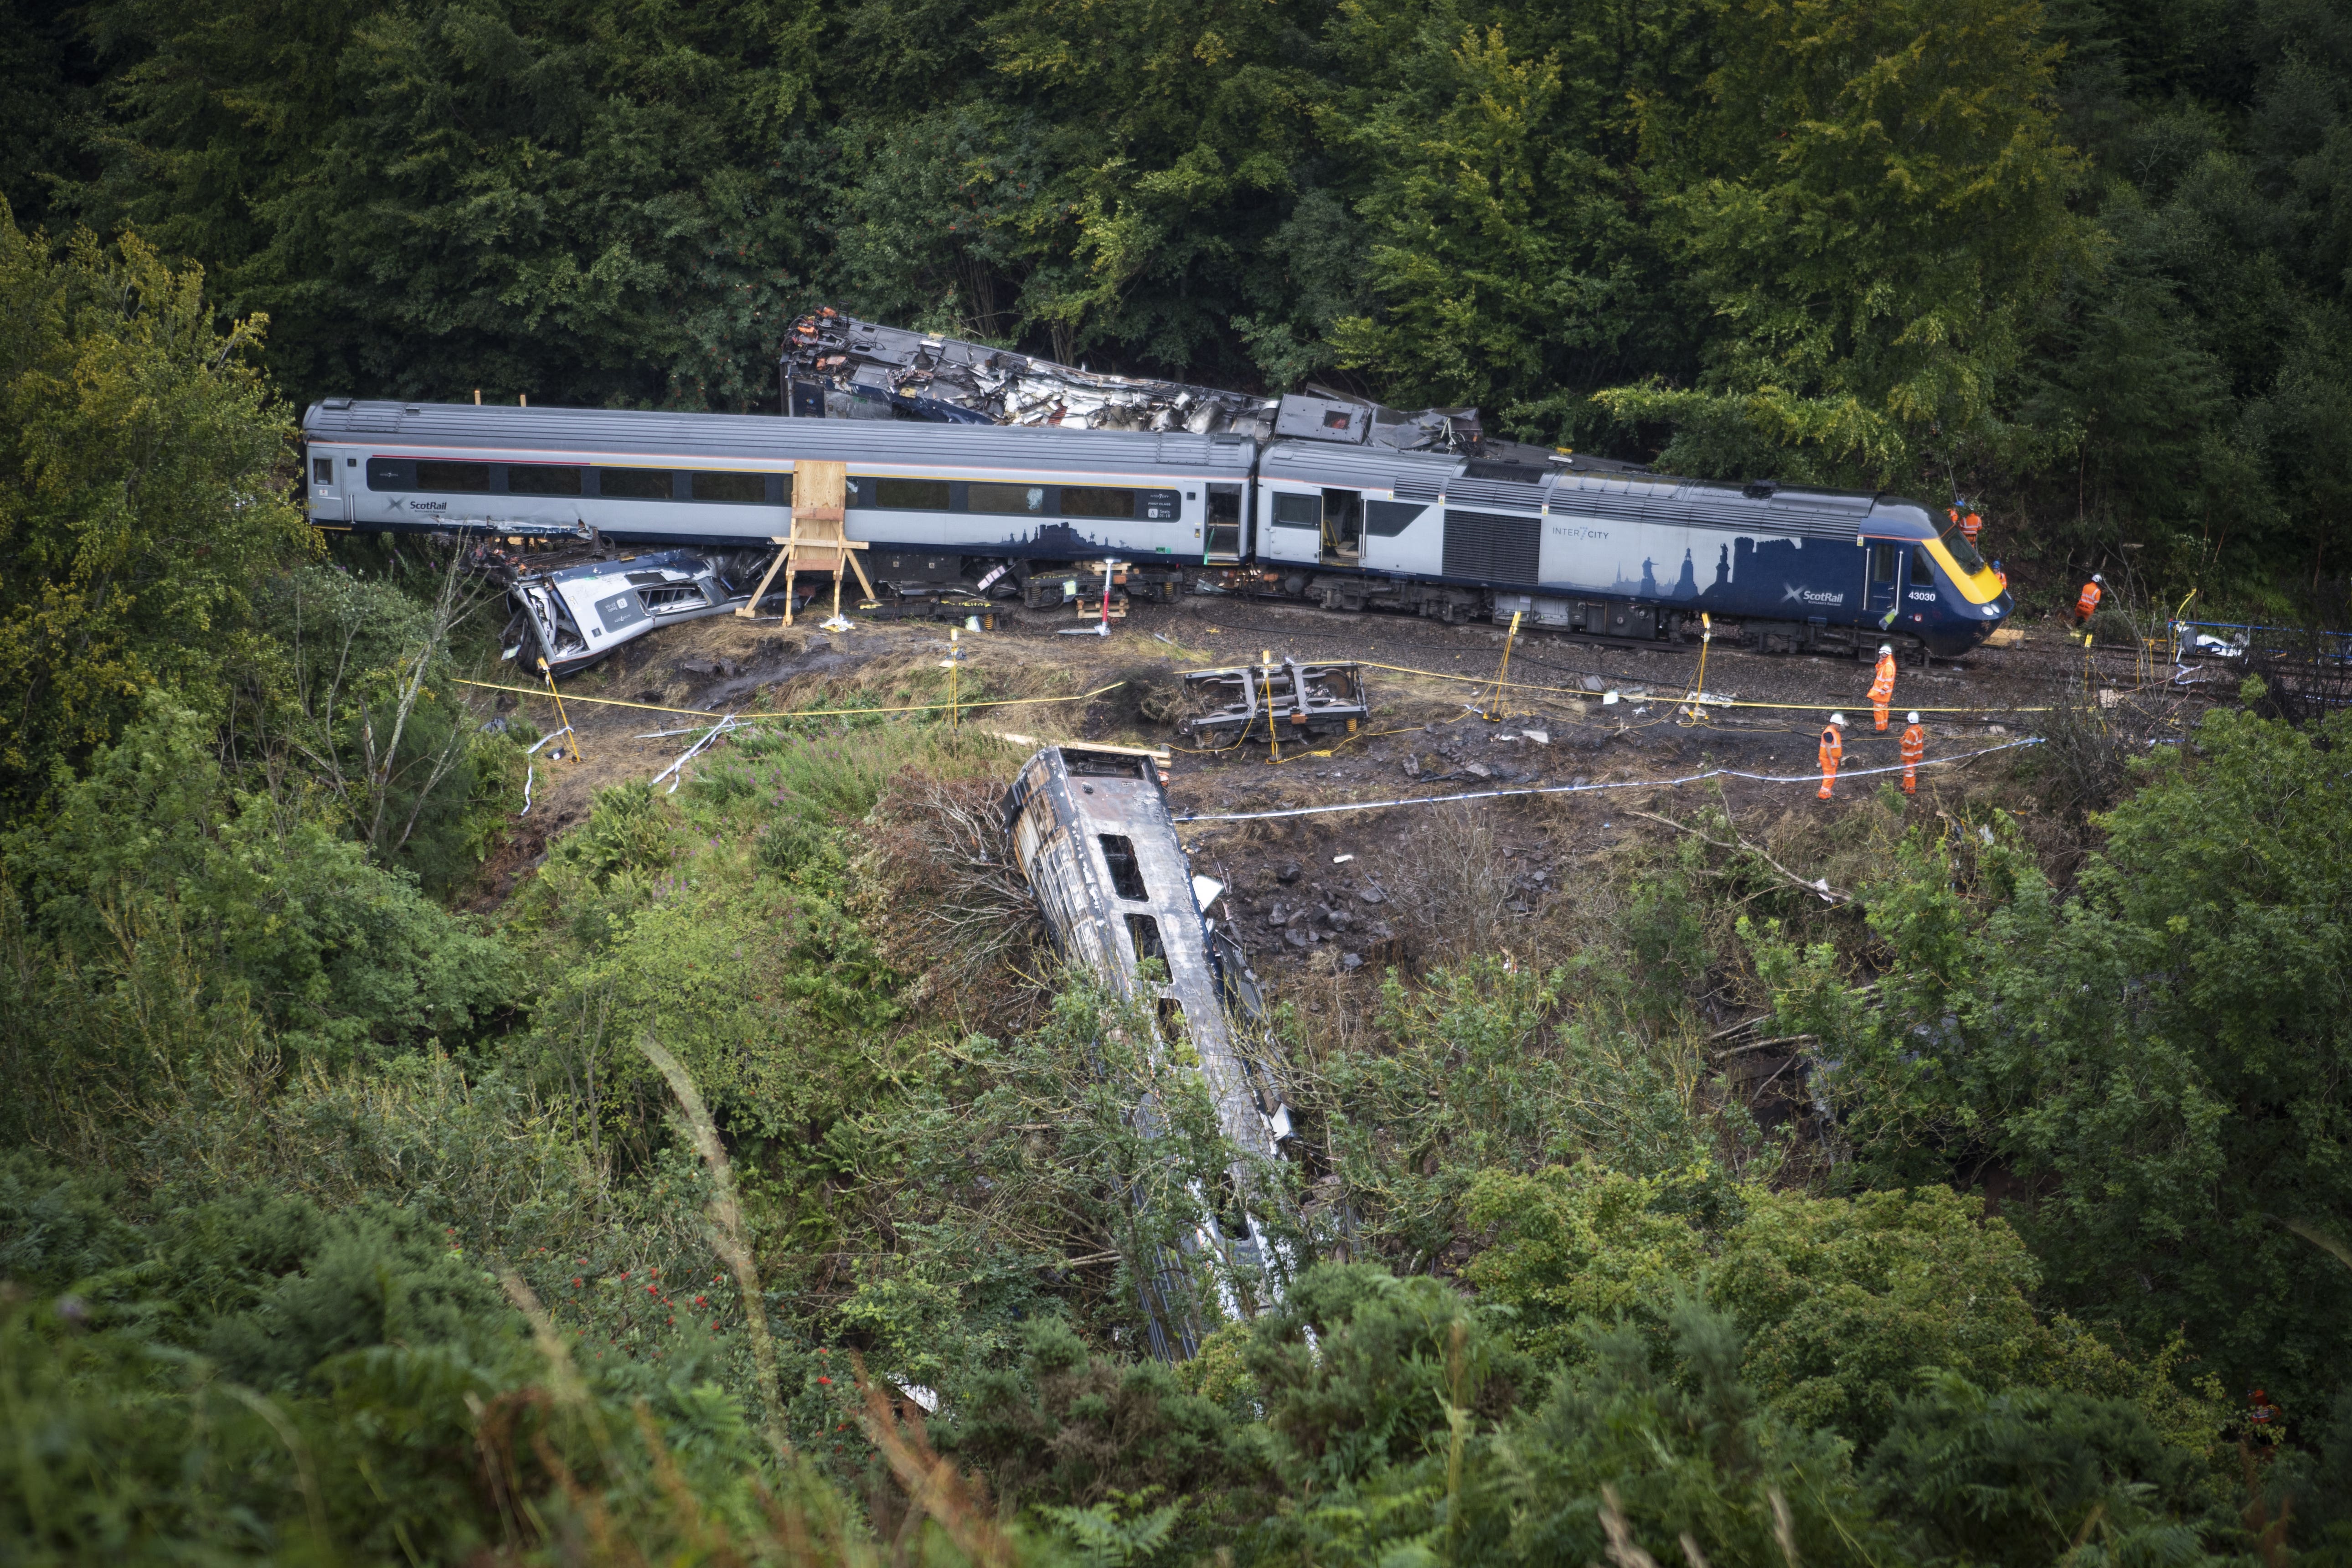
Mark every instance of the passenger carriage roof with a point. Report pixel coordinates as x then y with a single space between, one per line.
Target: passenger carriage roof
765 438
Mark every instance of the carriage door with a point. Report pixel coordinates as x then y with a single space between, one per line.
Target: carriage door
1224 541
1296 531
1343 528
1885 576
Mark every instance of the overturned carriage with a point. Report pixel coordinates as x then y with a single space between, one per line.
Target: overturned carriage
1090 828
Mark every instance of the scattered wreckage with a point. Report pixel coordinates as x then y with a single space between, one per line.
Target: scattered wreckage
1276 702
569 616
1090 829
838 367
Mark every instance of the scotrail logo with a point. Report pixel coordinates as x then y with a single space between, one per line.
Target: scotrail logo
1811 595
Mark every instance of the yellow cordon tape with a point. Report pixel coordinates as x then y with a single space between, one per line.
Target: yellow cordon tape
1587 696
803 713
1589 788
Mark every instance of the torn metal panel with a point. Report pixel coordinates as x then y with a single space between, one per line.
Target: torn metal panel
574 615
1090 829
1276 702
837 366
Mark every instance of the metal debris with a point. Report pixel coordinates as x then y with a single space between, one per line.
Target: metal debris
837 367
574 615
1284 702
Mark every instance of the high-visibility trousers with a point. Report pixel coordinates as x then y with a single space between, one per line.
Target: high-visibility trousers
1882 691
1914 750
1878 713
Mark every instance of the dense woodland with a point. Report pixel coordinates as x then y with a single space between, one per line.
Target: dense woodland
345 1218
2086 261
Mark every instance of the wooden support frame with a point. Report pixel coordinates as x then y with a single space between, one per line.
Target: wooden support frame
820 501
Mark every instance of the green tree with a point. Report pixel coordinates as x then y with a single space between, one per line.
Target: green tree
1872 199
144 475
2159 1057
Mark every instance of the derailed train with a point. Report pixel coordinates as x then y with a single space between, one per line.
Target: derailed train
1316 512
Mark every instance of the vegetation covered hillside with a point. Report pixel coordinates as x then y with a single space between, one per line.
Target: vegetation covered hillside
750 1185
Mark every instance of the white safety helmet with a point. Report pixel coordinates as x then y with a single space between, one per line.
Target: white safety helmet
1913 719
1838 720
1885 649
2099 580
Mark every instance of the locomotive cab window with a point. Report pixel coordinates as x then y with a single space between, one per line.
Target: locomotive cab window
1963 552
1922 571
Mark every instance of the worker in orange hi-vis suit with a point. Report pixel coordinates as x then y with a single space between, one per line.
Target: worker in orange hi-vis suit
1915 748
2088 603
1882 685
1965 520
1832 752
2001 574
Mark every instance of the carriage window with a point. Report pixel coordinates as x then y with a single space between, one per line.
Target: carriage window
1144 932
322 471
457 477
1299 511
541 479
389 474
750 489
1006 498
923 495
1096 500
1125 875
635 484
1923 573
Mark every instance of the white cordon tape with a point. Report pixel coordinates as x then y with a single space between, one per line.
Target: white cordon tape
530 771
1588 788
722 728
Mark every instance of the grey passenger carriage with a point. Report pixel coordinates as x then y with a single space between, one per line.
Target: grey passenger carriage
1334 517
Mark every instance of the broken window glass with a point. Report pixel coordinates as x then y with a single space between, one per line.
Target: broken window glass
1006 498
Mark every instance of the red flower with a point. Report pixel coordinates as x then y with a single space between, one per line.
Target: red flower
577 1283
702 1301
825 1379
